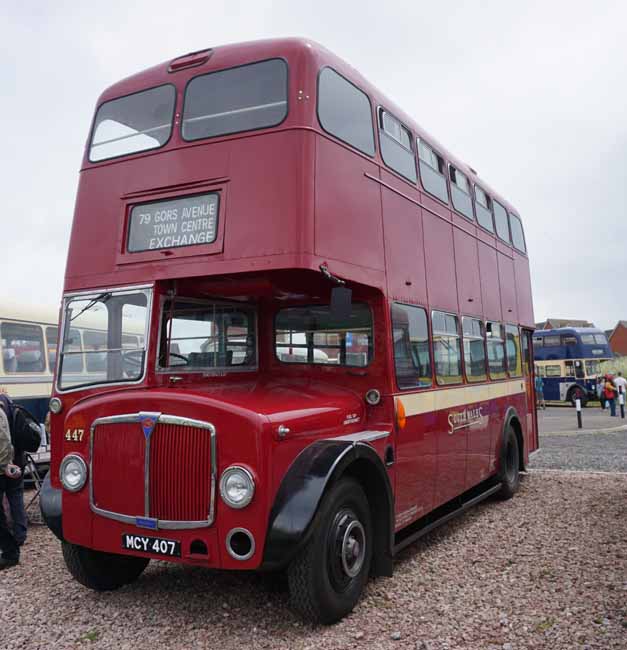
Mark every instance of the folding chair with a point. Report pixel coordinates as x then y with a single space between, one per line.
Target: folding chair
32 506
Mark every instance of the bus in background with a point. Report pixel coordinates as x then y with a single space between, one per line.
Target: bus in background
28 343
569 361
333 318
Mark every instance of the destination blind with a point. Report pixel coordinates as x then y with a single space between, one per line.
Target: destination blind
186 221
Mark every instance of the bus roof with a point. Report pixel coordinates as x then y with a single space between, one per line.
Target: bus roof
569 330
46 315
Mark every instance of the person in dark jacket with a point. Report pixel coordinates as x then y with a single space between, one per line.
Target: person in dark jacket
8 473
15 488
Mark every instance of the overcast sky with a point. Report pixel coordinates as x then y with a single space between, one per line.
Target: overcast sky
533 95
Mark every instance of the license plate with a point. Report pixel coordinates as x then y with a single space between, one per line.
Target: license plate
155 545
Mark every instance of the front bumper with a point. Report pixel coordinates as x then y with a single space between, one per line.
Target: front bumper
50 506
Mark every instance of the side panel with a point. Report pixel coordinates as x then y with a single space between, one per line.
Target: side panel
347 207
523 290
509 305
404 248
490 291
440 263
467 270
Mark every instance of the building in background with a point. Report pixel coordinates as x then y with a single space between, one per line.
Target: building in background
556 323
618 339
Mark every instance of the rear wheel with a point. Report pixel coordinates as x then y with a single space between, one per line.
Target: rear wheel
509 475
577 393
327 577
102 571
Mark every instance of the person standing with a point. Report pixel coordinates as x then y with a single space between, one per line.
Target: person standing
10 551
610 395
601 391
539 385
621 386
15 488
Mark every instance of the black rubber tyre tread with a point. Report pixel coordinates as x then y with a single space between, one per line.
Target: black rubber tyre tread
101 571
508 487
311 595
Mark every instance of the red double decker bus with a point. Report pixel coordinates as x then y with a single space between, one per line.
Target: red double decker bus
310 329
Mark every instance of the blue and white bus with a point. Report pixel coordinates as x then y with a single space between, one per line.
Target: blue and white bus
568 360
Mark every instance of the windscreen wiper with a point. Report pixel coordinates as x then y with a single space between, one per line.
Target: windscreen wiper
103 297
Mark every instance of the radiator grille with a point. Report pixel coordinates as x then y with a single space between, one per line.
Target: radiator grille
180 473
180 482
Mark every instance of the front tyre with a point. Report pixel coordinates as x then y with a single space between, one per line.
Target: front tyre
327 577
101 571
509 475
577 393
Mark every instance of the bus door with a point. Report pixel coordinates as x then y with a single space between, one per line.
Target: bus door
531 416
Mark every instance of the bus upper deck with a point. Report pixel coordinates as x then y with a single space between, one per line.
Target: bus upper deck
235 179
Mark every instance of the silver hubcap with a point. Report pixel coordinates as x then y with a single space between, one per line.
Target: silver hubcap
353 548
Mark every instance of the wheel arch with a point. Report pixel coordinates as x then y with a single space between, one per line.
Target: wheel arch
311 474
512 419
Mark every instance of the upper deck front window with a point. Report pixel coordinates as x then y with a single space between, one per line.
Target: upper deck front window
133 123
114 329
202 335
248 97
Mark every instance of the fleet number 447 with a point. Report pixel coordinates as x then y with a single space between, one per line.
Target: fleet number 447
74 435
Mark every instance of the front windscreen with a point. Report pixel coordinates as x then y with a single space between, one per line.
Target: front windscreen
249 97
205 335
104 338
137 122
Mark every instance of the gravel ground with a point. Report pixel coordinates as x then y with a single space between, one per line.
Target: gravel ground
547 569
605 452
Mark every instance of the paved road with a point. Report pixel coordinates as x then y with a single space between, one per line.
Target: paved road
562 446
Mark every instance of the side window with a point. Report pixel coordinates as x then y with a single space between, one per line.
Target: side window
514 362
460 192
502 226
344 111
553 371
395 141
474 349
552 341
432 171
412 357
496 350
446 348
538 341
518 236
22 348
483 209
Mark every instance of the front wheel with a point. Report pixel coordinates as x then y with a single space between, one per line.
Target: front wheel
327 577
509 475
577 393
102 571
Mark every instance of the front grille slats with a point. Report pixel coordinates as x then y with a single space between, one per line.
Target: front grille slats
180 469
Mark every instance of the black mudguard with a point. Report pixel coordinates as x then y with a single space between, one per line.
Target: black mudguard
50 506
301 492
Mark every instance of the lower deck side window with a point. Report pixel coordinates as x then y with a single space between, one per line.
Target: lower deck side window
312 334
410 336
495 343
474 349
446 348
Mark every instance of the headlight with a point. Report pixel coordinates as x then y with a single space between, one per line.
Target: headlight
73 473
55 405
237 487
